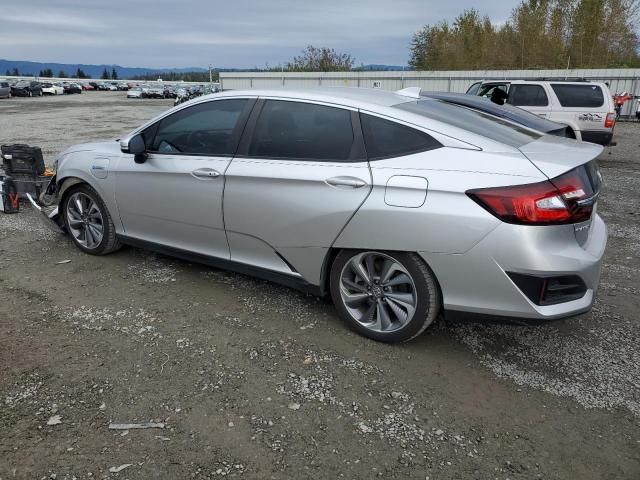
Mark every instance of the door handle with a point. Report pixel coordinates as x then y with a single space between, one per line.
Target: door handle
205 173
351 182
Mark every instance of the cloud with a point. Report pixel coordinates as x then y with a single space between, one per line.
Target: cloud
242 33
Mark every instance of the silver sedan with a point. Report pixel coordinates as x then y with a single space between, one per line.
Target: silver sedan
400 207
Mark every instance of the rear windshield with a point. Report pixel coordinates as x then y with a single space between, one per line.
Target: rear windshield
570 95
473 121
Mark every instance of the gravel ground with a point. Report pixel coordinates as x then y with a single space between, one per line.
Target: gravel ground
247 379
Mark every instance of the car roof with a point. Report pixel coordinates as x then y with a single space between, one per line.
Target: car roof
539 80
347 96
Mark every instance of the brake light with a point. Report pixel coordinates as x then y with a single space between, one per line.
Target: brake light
610 121
565 199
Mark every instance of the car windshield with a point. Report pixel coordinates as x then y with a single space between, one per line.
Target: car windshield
473 121
22 84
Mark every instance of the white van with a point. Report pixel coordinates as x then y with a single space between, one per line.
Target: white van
585 107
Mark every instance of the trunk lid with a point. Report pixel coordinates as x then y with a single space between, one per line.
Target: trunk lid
554 156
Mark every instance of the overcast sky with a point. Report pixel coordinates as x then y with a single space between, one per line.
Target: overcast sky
231 33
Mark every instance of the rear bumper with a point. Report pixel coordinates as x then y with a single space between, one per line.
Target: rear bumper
601 137
477 282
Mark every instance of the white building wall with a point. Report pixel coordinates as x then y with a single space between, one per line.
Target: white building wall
619 80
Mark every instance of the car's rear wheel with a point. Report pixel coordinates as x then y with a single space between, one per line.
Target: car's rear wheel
386 296
88 221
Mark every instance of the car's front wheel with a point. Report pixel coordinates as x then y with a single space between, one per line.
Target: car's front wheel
88 221
386 296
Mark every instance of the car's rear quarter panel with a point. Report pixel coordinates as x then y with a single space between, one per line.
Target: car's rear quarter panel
448 221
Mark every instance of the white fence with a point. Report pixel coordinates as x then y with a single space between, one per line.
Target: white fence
619 80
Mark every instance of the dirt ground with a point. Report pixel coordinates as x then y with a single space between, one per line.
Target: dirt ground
253 380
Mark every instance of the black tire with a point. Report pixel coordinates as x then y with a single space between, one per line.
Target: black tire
428 301
109 242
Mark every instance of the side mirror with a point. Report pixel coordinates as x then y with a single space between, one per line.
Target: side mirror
137 148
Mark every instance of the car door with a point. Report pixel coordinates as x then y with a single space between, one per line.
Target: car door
299 176
531 97
174 198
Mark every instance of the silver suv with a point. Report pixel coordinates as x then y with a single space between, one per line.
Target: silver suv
397 205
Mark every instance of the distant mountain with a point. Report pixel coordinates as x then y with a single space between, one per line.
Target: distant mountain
93 71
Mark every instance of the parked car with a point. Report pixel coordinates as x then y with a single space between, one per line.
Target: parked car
122 87
95 85
135 92
397 205
52 89
5 89
103 86
506 111
70 88
26 88
87 87
587 108
153 90
170 91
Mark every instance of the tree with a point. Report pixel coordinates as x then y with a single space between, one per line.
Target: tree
80 73
62 74
105 74
15 72
538 34
321 60
114 74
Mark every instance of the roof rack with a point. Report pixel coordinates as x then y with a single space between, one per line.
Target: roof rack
552 79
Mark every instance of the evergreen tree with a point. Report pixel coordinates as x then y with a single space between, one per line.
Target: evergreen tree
539 34
105 74
114 74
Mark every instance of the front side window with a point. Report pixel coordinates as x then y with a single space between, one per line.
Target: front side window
297 130
204 129
384 138
487 89
528 96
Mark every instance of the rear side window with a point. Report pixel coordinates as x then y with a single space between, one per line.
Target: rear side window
297 130
204 129
528 96
384 138
570 95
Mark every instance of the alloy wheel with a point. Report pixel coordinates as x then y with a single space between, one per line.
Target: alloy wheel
85 220
378 292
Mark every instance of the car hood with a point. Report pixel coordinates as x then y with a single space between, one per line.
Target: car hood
554 156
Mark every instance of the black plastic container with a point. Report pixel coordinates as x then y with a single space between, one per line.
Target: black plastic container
20 159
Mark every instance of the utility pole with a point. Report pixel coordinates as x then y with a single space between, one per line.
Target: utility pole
210 75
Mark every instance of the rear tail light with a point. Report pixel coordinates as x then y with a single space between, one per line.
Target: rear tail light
568 198
610 121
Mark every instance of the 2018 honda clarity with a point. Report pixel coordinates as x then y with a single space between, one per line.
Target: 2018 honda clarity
399 206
